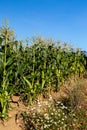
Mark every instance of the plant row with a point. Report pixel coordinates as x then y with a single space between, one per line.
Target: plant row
27 70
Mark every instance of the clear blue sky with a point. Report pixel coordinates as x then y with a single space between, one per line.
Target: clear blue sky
64 20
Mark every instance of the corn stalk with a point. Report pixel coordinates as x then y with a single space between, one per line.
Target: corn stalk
4 94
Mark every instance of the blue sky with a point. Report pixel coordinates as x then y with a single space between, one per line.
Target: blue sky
63 20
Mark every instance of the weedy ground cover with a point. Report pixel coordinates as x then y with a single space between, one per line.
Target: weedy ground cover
58 113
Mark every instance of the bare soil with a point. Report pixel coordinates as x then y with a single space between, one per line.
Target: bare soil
15 124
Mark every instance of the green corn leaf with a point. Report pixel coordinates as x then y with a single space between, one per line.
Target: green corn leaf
43 83
1 41
42 74
9 62
28 82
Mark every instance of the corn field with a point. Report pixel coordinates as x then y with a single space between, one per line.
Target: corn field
28 70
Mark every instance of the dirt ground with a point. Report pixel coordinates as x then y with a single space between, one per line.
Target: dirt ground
16 107
13 124
10 124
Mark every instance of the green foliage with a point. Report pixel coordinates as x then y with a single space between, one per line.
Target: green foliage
30 70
